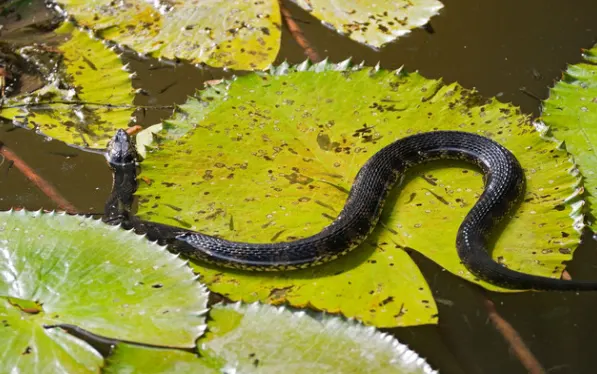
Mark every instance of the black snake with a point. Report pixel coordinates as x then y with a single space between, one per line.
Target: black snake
504 186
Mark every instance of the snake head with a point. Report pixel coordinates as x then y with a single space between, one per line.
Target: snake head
121 150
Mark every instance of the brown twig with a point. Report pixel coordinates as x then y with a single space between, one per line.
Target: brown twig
44 186
520 349
298 35
529 93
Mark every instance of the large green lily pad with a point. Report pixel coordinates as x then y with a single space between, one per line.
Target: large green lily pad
264 339
57 269
88 95
270 157
571 113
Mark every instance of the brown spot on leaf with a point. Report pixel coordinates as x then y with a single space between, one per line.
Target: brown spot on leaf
298 178
387 300
279 294
441 199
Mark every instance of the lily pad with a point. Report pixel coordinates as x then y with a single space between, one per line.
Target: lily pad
127 358
144 138
372 22
28 347
270 157
239 34
264 339
298 342
57 269
571 114
88 95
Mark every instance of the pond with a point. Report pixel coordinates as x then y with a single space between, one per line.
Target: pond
512 50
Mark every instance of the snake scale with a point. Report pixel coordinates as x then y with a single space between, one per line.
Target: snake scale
504 186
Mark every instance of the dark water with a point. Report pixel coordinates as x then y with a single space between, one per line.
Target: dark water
499 47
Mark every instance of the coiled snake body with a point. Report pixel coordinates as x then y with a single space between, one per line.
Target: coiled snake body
504 185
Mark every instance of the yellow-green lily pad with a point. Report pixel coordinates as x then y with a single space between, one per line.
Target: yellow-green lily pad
88 95
240 34
373 22
270 157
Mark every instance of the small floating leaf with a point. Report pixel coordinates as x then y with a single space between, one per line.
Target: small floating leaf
373 23
145 138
